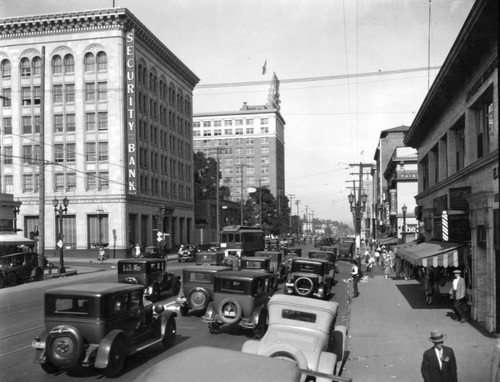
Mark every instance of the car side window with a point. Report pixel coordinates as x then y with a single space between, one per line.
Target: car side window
135 300
120 304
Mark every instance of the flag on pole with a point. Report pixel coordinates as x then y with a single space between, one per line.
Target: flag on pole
264 68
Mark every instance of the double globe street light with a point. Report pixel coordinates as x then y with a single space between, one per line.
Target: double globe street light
357 209
59 210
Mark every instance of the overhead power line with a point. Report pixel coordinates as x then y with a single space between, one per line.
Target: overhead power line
314 79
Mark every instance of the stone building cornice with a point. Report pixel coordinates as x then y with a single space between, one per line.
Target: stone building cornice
94 20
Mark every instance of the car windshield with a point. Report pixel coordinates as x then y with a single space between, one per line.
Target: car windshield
297 315
308 267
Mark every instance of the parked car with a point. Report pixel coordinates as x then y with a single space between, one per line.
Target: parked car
346 250
210 257
240 297
310 278
278 265
17 267
152 274
206 363
99 324
152 252
187 252
326 255
197 288
303 330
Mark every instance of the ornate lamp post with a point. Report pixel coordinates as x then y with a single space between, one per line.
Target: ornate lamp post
59 210
403 233
15 210
357 209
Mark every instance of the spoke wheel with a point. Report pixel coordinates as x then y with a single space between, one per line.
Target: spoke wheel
116 359
170 333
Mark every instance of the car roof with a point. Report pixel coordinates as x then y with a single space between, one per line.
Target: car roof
243 274
298 302
140 260
94 289
207 268
304 260
255 258
220 365
264 253
325 252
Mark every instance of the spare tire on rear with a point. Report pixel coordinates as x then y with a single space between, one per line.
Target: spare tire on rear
65 346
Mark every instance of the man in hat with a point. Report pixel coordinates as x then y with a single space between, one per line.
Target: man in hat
457 294
439 363
355 274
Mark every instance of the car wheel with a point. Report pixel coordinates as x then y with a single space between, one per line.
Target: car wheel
229 311
184 311
49 367
213 328
304 286
12 278
3 282
198 298
290 354
177 287
170 333
65 346
116 359
261 326
39 274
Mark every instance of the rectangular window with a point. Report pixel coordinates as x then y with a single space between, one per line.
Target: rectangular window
264 121
103 121
26 96
37 153
7 125
91 181
207 123
264 129
238 122
217 132
36 124
58 182
70 122
70 93
196 133
249 121
71 181
264 160
249 130
6 98
228 123
58 153
196 124
249 151
27 127
103 151
70 152
103 181
102 91
27 154
90 152
485 127
8 184
217 123
27 183
37 95
460 146
90 122
58 123
90 92
228 131
424 168
264 170
57 91
238 131
264 150
7 158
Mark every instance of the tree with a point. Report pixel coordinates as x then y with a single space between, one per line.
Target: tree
206 177
262 207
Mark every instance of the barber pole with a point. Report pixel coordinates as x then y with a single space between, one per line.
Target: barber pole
444 220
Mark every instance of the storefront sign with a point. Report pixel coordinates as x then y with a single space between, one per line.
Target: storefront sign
458 198
130 112
408 175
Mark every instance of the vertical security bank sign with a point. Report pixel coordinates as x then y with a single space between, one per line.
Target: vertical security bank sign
130 113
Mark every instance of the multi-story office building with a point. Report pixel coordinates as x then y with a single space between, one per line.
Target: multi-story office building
456 135
250 145
101 109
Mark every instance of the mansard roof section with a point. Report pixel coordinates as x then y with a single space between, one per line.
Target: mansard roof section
100 19
478 36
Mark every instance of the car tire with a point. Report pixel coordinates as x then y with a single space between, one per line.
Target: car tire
3 281
184 311
12 278
303 286
49 367
116 358
198 298
261 326
229 305
65 346
170 333
38 274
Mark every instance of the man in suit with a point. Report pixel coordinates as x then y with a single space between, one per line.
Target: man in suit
458 295
355 277
439 363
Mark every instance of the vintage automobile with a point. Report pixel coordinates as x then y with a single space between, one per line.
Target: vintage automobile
278 264
204 363
197 288
152 274
346 249
310 278
100 324
326 255
210 257
152 252
303 330
187 252
16 267
240 297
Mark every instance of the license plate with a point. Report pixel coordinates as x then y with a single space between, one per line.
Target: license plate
38 344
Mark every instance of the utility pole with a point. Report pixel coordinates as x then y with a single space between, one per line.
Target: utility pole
358 206
241 166
297 202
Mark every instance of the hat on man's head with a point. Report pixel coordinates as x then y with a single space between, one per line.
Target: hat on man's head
437 336
457 271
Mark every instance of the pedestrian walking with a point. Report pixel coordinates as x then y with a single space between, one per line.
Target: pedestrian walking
457 294
439 363
137 250
428 285
355 274
377 256
369 266
387 269
102 254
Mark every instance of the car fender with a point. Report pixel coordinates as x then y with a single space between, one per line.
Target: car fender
256 313
288 351
165 317
210 312
326 363
251 346
339 337
101 359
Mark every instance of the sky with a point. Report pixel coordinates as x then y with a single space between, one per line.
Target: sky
349 50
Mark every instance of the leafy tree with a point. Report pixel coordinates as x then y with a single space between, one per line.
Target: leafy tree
274 220
206 177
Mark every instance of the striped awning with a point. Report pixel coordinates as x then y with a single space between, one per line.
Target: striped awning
434 253
14 239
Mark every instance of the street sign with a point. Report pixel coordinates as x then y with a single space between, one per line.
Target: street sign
159 236
60 243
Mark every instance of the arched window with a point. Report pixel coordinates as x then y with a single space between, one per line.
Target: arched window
69 64
102 61
25 67
6 71
89 62
57 65
37 66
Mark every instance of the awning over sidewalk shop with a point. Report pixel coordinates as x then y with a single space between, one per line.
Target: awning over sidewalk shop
435 253
388 240
14 239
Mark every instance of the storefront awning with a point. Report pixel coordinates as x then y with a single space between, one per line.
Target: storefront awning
14 239
388 240
434 253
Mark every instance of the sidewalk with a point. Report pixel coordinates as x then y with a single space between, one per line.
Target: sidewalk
389 330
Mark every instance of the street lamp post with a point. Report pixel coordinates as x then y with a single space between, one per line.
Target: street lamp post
59 210
15 210
99 216
163 244
403 233
357 209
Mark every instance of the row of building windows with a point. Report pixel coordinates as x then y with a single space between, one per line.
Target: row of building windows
60 65
230 142
229 122
236 131
163 188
